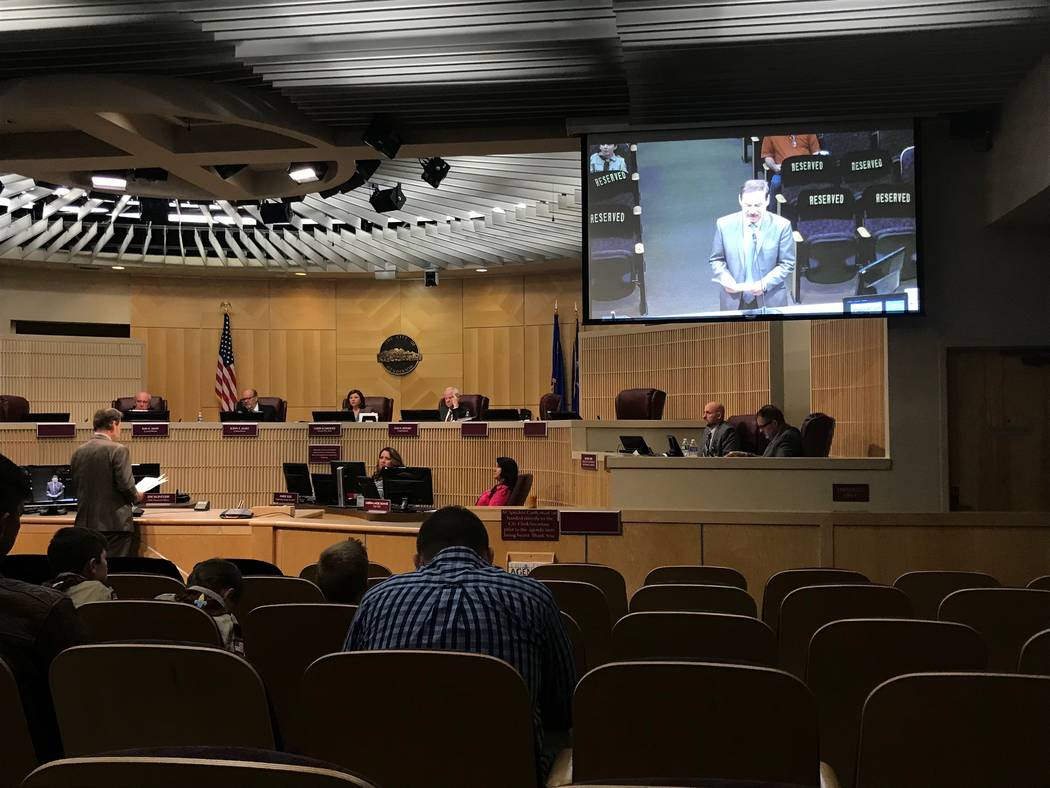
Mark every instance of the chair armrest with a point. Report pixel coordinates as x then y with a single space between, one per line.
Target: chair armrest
797 236
828 778
862 231
781 199
561 770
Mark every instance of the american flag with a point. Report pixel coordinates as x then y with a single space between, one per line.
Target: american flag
225 375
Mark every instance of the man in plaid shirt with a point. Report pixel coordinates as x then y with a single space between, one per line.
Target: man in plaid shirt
456 600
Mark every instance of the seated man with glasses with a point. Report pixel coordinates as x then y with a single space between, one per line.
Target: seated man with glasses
249 403
784 440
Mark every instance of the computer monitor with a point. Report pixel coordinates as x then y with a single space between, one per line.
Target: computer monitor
297 479
881 276
417 414
408 485
332 415
365 486
503 414
52 484
140 470
233 415
46 418
635 443
146 415
344 472
324 489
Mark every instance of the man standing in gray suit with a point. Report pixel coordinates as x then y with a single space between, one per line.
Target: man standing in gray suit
720 437
105 486
753 253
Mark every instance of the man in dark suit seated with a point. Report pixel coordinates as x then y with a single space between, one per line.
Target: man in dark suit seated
450 409
35 624
784 440
720 437
249 403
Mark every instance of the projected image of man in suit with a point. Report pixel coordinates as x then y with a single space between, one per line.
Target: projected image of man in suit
753 253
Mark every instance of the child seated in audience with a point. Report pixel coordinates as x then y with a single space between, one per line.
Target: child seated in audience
214 586
342 572
78 560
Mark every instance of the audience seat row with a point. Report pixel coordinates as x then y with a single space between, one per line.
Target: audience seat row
679 721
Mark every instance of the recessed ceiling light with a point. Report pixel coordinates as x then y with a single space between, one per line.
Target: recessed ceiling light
306 172
300 273
482 270
118 268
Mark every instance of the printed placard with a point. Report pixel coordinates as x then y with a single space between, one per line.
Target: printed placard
238 429
850 493
148 429
158 499
535 429
584 522
473 429
529 525
402 429
588 462
285 498
56 430
324 453
378 505
325 429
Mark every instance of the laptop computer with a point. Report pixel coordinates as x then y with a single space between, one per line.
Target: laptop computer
426 414
146 415
46 417
233 415
333 415
502 414
635 443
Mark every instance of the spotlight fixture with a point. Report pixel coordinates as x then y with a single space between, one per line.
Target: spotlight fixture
154 210
482 270
382 134
430 279
300 273
227 171
306 172
109 180
155 174
117 267
434 170
384 200
275 213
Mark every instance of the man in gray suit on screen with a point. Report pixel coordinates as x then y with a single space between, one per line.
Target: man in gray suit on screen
753 253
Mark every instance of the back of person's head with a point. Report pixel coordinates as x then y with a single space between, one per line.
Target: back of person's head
14 489
218 575
105 419
771 413
508 470
452 526
342 571
75 549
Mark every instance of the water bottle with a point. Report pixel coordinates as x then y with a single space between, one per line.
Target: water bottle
200 416
684 444
694 451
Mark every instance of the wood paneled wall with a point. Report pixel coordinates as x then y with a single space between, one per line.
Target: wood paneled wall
998 430
311 341
247 471
848 381
78 376
693 364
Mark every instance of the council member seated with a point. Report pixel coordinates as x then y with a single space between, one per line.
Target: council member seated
784 440
388 458
506 476
249 403
720 437
450 409
355 403
142 401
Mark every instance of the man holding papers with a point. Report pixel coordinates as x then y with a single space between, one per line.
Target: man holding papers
105 485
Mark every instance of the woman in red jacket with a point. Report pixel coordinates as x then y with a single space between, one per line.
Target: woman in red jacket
506 477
